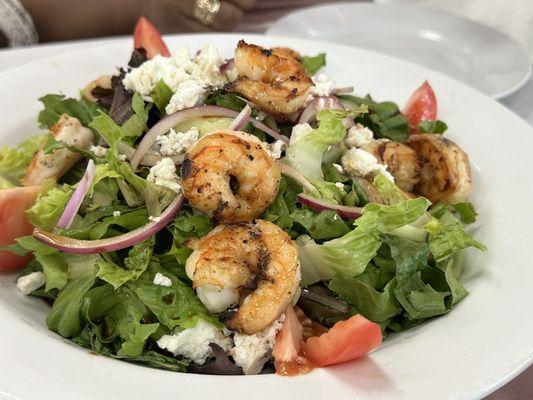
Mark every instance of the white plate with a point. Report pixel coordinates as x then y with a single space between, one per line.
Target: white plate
462 49
478 347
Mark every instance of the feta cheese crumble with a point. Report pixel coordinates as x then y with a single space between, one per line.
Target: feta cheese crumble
359 136
164 174
193 343
98 150
188 94
358 162
189 78
154 219
176 143
122 157
251 352
162 280
338 168
275 149
31 282
299 131
116 213
340 185
323 86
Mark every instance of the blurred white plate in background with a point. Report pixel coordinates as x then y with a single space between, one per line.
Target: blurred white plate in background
465 50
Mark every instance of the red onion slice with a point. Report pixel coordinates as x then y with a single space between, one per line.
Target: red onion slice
342 90
317 104
171 120
319 205
75 201
227 66
241 120
297 177
149 159
77 246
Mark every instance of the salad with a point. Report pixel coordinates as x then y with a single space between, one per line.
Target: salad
235 216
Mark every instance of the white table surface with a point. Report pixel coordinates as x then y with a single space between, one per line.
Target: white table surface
520 102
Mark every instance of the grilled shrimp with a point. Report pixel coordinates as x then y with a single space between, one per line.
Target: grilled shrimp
273 79
54 165
230 176
401 160
445 174
253 265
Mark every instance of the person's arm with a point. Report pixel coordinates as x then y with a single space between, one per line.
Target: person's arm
78 19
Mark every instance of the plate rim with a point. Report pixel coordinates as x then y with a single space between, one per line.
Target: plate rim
271 31
528 359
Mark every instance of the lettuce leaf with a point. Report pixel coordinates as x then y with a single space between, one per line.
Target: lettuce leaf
57 104
15 160
322 225
384 119
174 306
313 64
135 125
161 95
447 236
65 317
305 155
134 264
48 207
350 254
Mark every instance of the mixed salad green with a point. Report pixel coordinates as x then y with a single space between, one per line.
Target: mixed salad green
395 259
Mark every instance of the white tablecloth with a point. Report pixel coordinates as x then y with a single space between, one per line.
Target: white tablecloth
521 103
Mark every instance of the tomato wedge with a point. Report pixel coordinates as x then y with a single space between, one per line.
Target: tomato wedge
346 341
421 106
13 223
148 37
288 347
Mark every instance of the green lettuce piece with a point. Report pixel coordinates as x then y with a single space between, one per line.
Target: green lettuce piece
186 225
226 100
452 273
122 313
447 236
134 265
129 221
451 239
321 225
386 218
136 124
111 132
350 254
65 317
56 104
467 212
174 306
15 160
376 305
49 206
55 270
384 119
313 64
421 289
437 127
28 244
389 192
305 154
284 204
161 95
